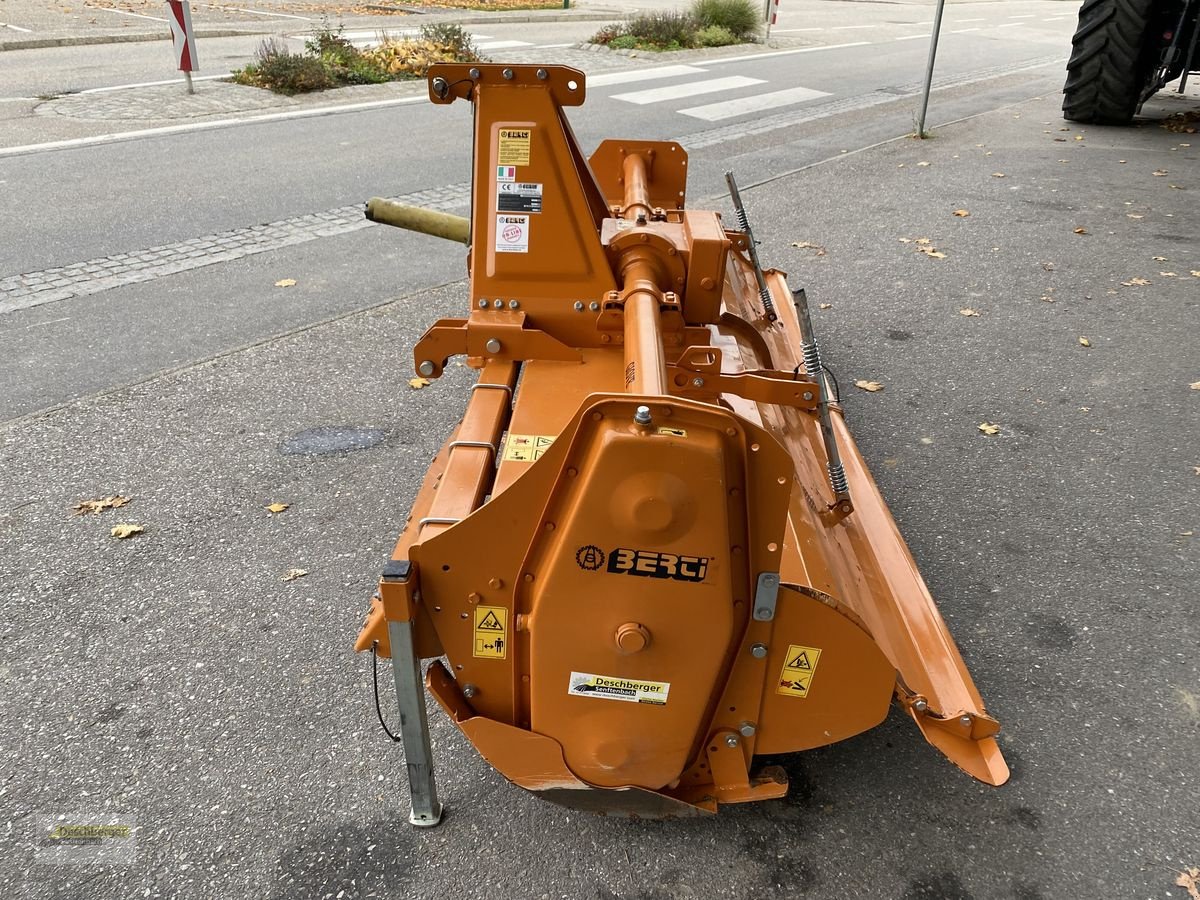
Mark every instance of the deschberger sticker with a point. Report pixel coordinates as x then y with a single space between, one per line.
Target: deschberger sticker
630 690
512 234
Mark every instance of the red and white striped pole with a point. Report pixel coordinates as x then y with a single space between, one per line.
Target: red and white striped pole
183 39
774 17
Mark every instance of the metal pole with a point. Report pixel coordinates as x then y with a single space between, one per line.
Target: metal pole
933 42
414 726
188 77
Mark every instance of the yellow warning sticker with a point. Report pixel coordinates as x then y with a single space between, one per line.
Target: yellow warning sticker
798 668
491 632
673 432
526 447
514 147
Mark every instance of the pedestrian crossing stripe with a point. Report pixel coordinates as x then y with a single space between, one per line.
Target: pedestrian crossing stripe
799 667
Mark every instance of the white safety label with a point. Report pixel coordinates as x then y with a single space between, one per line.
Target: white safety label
630 690
512 234
518 197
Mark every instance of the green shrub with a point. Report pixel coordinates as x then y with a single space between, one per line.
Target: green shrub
740 18
286 73
608 34
452 37
715 36
331 45
624 42
663 28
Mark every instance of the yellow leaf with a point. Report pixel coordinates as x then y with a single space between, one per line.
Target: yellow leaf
1190 880
293 574
126 530
1134 282
871 386
906 240
278 507
924 241
807 245
1159 258
932 251
989 428
923 164
1195 385
285 282
998 175
1081 230
826 306
967 312
417 383
1084 342
1048 298
1079 137
1168 274
962 213
1196 273
84 507
1159 173
1134 216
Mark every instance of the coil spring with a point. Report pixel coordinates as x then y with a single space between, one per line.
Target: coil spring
743 222
812 359
837 479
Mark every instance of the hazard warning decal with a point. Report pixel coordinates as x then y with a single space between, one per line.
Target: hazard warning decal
491 632
630 690
799 666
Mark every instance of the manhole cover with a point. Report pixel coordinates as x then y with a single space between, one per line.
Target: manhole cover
331 439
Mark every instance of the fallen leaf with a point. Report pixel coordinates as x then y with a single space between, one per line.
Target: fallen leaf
1159 258
1159 173
277 507
932 251
998 175
1132 282
1168 274
1060 140
1081 231
1048 266
989 428
967 312
1134 216
924 241
1190 880
1122 161
293 574
1084 342
826 306
926 440
871 386
285 282
923 164
1079 137
808 245
1048 299
126 530
417 383
84 507
1196 273
1195 385
906 240
962 213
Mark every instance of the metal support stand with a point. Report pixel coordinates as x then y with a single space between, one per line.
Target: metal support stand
933 42
414 726
1187 63
188 77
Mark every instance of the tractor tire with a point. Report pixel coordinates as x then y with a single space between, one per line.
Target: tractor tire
1111 61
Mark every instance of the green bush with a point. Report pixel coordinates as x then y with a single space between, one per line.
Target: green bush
624 42
452 37
608 34
715 36
739 17
664 28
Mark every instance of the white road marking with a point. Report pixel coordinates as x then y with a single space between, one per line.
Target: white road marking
715 112
688 89
1059 18
140 84
556 46
16 100
911 37
791 30
642 75
850 27
972 20
1022 17
756 56
965 30
124 13
503 45
255 12
119 136
15 27
1011 25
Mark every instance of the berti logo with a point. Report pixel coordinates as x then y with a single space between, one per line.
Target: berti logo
589 557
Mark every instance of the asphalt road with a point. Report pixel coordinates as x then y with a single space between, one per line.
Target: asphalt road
176 680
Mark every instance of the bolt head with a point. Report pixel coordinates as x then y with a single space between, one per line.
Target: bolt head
759 651
469 691
492 346
764 614
747 729
542 74
808 395
578 306
966 721
697 382
498 303
508 74
642 415
474 73
441 87
731 740
426 368
483 304
594 306
921 705
513 304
